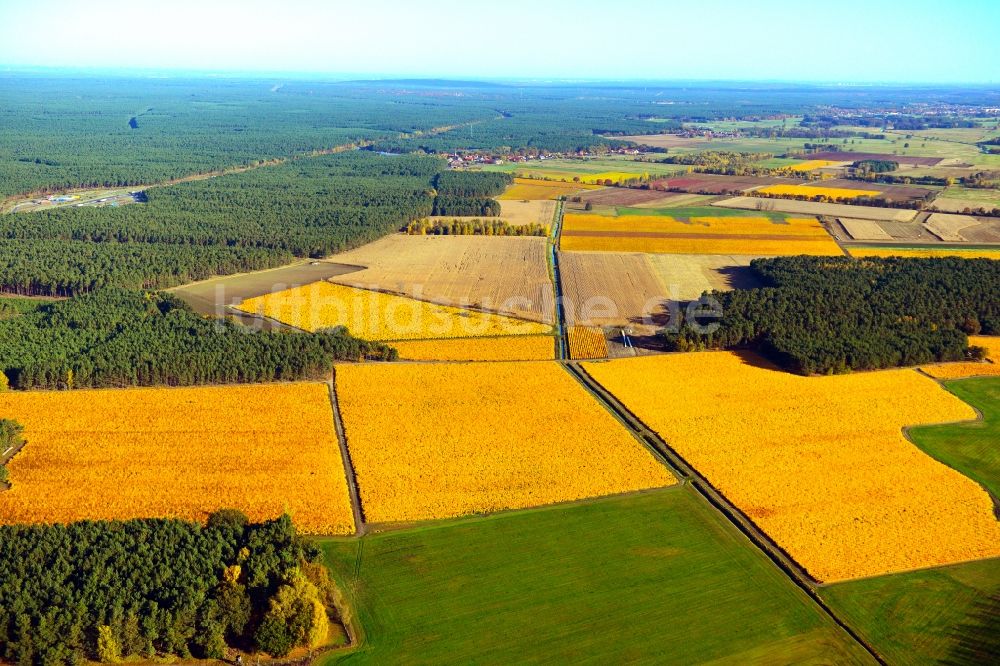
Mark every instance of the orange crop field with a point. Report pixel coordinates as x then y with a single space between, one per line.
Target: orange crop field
373 315
177 453
810 191
437 440
661 234
587 342
513 348
819 463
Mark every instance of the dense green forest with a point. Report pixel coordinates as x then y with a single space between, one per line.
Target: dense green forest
114 338
468 193
102 591
59 132
471 183
826 315
240 222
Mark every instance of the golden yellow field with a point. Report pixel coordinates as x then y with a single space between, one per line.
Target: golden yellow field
809 191
178 452
437 440
587 342
528 189
819 463
810 165
662 234
515 348
373 315
960 370
924 253
613 176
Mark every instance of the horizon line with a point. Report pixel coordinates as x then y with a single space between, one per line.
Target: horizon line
330 76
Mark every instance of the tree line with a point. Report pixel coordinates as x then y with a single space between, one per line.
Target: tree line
830 315
474 228
108 590
116 338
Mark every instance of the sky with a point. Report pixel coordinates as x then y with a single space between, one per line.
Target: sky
844 41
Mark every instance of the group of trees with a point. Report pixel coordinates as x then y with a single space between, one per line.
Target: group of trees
115 338
828 315
241 222
474 227
10 438
107 590
870 168
469 193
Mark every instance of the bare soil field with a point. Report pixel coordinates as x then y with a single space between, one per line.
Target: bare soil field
814 208
687 276
612 289
864 229
708 183
908 231
949 227
508 275
986 231
832 156
621 196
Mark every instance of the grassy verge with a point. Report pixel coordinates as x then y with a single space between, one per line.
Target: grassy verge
654 577
938 615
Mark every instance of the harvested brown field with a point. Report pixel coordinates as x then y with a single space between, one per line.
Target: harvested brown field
949 227
864 229
987 231
508 275
953 205
908 231
835 156
707 183
621 196
814 208
605 288
688 276
521 213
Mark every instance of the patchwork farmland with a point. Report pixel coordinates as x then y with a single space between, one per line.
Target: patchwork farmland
547 372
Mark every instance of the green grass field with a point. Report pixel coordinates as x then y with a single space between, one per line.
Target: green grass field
687 212
929 616
921 617
971 448
654 577
973 195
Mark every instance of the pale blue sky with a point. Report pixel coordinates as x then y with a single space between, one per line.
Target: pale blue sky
836 40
